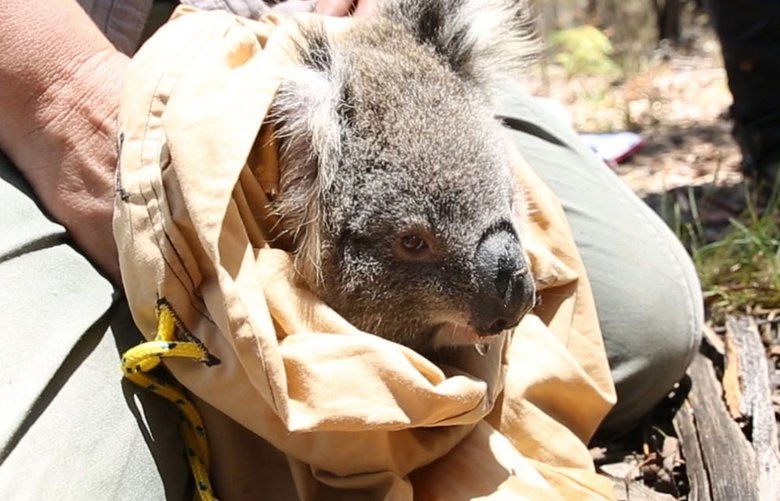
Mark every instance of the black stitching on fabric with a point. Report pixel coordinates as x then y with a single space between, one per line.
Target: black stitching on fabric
156 196
118 189
168 264
192 291
146 129
191 288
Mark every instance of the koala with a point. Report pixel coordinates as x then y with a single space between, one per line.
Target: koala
394 177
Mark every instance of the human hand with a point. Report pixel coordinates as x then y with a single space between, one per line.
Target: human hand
356 8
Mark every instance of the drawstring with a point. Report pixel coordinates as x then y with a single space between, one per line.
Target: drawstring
138 361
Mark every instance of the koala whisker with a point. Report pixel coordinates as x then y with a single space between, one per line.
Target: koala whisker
279 217
277 236
377 323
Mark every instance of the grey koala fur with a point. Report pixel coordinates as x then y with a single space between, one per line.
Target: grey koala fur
388 139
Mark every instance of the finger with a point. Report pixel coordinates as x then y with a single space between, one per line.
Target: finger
333 7
365 8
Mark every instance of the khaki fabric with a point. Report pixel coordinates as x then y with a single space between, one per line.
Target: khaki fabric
353 413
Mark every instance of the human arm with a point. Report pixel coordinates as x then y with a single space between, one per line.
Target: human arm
60 80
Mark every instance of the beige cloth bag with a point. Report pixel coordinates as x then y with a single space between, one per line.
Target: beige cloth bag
352 412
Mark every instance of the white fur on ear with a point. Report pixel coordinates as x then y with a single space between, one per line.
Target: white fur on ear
483 40
500 36
306 109
308 130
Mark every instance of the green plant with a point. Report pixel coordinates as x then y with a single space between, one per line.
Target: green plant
741 272
584 50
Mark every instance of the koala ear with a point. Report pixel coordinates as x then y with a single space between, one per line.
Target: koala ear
306 106
481 40
308 129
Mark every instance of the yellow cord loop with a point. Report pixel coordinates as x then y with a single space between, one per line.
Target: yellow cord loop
137 361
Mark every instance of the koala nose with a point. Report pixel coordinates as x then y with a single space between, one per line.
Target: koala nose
505 286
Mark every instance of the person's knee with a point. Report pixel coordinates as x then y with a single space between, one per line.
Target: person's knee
677 335
648 359
644 284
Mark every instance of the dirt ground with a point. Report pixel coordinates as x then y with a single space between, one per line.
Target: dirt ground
679 104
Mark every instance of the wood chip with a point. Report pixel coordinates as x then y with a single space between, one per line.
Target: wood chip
732 391
625 471
670 453
713 339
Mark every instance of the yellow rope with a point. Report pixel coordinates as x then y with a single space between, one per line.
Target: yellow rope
143 358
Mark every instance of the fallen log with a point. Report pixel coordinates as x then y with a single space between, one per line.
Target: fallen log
746 380
720 461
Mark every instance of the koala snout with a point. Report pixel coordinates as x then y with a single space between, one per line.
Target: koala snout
505 285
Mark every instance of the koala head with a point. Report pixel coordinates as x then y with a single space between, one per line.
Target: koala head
394 175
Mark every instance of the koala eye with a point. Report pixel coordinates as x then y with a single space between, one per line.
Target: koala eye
414 245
